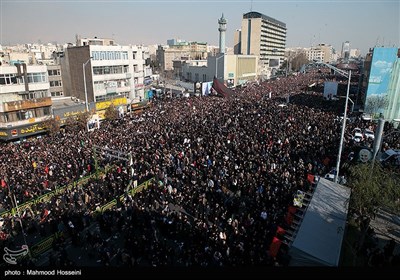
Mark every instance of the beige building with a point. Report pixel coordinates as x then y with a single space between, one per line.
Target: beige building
167 54
321 52
264 37
232 69
94 42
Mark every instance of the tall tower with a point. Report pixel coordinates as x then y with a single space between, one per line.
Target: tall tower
222 28
346 50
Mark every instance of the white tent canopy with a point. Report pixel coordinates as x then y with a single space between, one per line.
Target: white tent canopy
319 239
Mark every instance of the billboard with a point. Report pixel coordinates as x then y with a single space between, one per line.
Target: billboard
330 90
273 62
379 77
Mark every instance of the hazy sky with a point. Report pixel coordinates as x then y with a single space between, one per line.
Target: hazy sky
363 23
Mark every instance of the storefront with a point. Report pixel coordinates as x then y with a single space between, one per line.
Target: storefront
18 132
138 107
63 113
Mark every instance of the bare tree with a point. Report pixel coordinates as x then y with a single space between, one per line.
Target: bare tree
299 60
78 122
111 113
52 126
374 103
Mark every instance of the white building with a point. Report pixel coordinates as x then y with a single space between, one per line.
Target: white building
24 100
110 71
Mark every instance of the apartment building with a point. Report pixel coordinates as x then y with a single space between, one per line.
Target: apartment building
25 101
110 71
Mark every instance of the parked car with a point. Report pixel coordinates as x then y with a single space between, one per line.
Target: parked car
369 134
366 117
390 157
357 135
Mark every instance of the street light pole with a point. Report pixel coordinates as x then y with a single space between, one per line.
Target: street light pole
347 75
84 83
343 129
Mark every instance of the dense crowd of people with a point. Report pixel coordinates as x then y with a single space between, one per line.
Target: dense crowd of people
225 171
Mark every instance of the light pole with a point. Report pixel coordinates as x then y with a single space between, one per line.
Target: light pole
347 75
84 83
352 104
343 129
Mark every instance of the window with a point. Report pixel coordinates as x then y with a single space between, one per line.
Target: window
55 84
55 72
8 79
96 55
36 78
124 55
46 111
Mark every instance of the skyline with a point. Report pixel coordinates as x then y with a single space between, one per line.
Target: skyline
153 22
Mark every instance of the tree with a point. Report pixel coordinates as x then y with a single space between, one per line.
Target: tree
372 187
82 119
375 103
298 61
52 126
78 122
111 113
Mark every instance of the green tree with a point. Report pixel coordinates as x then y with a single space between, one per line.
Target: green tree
373 187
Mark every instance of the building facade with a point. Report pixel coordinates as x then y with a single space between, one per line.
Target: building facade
231 69
321 52
167 54
25 101
55 80
110 71
381 74
264 37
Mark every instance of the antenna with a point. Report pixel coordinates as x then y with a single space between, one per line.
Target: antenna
251 5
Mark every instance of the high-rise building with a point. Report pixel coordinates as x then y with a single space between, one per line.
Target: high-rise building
264 37
237 46
346 50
